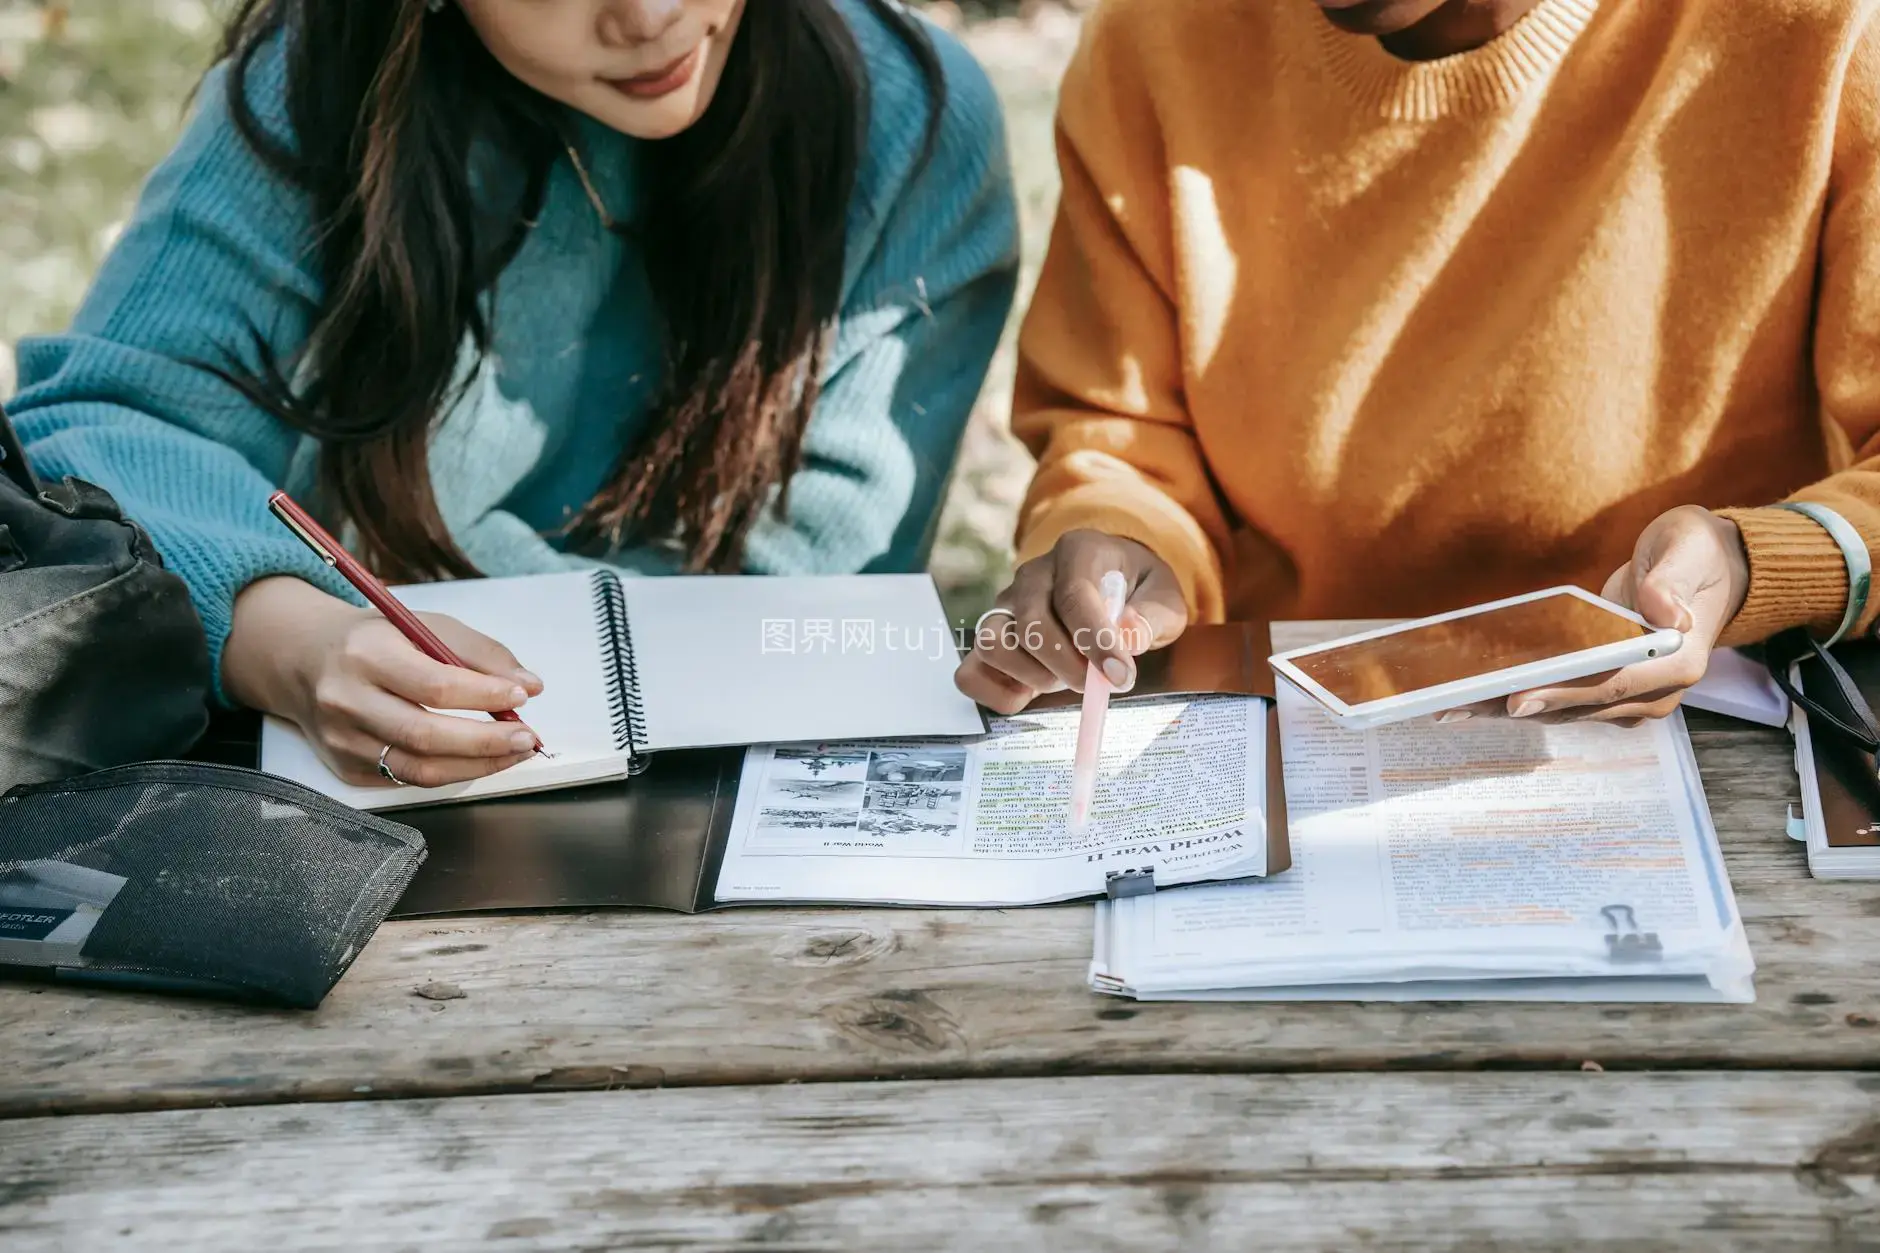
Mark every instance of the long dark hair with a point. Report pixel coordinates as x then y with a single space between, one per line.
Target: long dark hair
743 231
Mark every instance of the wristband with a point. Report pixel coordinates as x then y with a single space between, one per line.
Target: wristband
1853 551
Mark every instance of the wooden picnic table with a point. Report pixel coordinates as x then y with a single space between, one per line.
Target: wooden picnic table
821 1078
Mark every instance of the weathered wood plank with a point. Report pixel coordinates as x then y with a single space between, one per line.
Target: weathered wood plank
573 1001
622 1001
1722 1160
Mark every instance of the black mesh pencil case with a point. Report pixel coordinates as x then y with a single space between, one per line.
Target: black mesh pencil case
175 875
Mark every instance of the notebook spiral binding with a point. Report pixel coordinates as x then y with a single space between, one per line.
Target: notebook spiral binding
622 671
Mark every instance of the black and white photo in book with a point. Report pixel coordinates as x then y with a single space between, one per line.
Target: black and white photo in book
983 821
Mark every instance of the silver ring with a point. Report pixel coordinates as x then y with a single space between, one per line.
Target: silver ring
994 612
385 771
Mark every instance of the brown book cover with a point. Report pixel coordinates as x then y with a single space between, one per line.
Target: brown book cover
1849 788
652 842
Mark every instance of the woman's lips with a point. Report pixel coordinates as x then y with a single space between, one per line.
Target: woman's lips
661 82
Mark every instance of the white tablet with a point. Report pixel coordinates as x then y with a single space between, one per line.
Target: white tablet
1476 654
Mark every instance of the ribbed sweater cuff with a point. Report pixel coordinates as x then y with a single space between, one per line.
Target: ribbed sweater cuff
215 595
1146 516
1797 576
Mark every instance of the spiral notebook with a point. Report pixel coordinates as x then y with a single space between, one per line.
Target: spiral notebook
633 667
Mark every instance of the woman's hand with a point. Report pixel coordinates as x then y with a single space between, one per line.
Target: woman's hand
354 685
1052 625
1688 572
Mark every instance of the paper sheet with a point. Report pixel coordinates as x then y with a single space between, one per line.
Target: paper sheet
1640 990
982 821
1488 849
753 659
1738 686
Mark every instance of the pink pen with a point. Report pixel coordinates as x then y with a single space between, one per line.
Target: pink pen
1115 591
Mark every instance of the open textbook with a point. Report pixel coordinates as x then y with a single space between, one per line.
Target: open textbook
1181 794
1490 859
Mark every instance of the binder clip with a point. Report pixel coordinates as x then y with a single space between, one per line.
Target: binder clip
1122 883
1627 942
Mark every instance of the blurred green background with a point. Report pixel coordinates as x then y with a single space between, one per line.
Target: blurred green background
92 93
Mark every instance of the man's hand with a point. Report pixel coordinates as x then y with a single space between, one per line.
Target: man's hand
1053 624
1688 572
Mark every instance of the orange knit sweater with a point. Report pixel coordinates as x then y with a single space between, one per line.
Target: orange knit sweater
1339 335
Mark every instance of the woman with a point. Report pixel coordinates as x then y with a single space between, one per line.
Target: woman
1367 308
509 285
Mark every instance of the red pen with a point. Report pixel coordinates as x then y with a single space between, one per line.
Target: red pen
412 627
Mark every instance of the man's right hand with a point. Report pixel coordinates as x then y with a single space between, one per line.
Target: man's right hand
1053 626
354 685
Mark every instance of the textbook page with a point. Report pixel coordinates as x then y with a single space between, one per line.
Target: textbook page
983 821
1488 849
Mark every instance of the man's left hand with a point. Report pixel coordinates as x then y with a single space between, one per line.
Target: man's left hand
1688 572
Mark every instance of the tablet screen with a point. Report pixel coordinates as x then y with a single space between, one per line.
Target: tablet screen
1462 648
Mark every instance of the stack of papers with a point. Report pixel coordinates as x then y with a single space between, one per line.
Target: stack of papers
1483 860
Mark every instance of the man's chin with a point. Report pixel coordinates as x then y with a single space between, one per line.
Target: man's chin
1377 17
1357 20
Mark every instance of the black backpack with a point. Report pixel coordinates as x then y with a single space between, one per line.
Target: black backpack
102 657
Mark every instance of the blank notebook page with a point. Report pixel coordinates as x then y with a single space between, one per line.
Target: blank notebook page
748 659
552 623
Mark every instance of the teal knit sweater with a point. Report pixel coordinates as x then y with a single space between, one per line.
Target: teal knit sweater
218 245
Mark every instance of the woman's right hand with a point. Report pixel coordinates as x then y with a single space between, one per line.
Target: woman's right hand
1053 625
354 685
